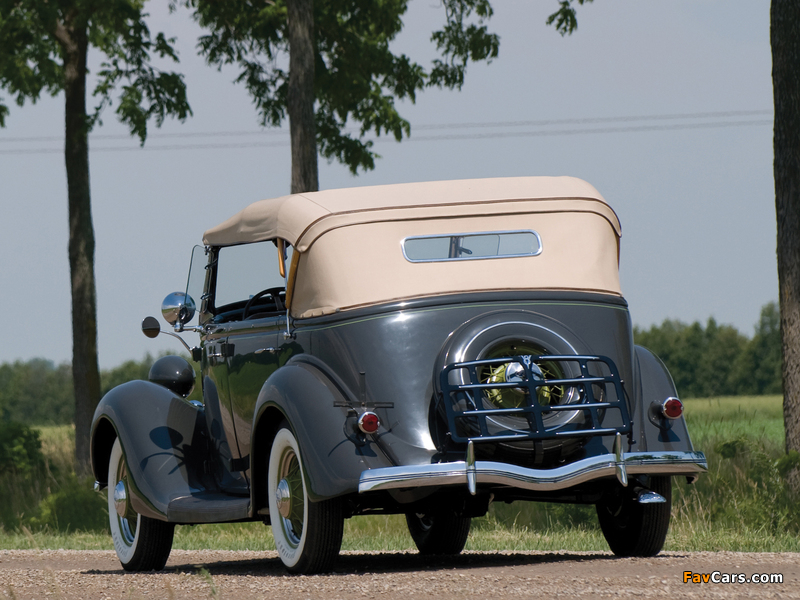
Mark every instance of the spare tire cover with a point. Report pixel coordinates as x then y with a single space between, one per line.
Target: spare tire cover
519 333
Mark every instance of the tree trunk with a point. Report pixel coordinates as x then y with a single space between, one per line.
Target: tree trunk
85 373
305 176
785 40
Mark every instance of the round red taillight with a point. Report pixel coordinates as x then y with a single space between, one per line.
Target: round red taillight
369 422
672 408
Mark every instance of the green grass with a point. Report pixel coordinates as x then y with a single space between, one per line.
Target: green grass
754 417
46 539
58 442
741 504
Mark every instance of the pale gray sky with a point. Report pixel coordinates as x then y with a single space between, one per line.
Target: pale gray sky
695 195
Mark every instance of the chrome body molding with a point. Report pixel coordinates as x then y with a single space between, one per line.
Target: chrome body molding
495 473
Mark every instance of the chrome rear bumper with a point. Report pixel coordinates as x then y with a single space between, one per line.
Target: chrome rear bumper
473 473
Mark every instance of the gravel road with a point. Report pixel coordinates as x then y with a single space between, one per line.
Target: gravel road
195 575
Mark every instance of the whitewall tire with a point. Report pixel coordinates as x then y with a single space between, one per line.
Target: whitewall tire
141 543
308 535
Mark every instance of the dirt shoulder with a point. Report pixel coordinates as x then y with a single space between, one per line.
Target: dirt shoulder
193 575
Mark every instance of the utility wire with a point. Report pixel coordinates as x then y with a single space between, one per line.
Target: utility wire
430 127
269 132
427 138
557 132
587 121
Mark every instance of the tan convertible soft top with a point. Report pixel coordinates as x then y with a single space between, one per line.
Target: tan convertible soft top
302 218
348 241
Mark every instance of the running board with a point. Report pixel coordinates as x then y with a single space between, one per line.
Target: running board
208 507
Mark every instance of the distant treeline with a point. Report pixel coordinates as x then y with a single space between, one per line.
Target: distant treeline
710 360
717 360
38 392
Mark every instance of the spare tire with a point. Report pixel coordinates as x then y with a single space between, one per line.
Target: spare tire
518 333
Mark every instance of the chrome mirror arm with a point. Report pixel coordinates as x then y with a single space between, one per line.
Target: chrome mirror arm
180 328
176 336
151 329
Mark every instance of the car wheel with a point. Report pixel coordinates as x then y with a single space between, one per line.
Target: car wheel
142 543
308 535
438 533
518 333
634 529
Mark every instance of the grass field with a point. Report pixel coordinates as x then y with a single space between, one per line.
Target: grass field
741 504
753 417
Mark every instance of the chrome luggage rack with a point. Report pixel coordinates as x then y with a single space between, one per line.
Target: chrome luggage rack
466 403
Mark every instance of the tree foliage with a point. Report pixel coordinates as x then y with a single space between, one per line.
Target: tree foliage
565 18
36 392
44 47
22 471
32 58
717 360
700 359
358 78
39 392
759 365
20 449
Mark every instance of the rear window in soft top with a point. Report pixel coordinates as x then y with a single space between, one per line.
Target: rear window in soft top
472 246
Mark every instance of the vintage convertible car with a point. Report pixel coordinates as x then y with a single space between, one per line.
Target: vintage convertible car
422 349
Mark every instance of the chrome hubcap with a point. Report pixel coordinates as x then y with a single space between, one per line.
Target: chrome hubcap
121 499
515 372
290 497
283 498
425 521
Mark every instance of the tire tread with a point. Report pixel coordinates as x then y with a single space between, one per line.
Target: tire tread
153 543
324 525
154 546
447 536
323 541
644 530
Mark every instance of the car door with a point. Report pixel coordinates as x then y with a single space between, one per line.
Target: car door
243 354
253 360
216 394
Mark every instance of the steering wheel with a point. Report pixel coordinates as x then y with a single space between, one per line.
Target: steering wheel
273 291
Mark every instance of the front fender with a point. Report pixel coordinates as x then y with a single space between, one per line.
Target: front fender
655 385
321 415
163 440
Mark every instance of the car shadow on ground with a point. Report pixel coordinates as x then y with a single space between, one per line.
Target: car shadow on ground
388 562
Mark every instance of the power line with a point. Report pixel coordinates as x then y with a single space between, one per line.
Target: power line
587 121
269 132
152 148
427 138
429 127
557 132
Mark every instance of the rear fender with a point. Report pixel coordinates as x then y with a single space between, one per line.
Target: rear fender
655 385
163 439
322 415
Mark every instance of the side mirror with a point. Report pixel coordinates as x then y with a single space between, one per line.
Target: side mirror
150 327
177 307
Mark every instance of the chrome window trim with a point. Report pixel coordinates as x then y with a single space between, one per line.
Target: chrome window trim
470 233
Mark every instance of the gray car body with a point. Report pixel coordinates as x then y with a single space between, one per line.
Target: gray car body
192 463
